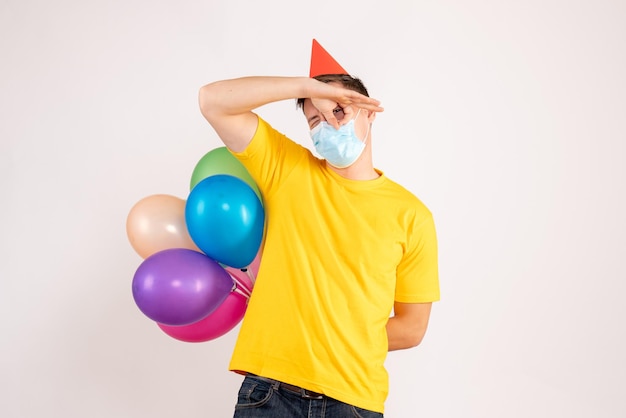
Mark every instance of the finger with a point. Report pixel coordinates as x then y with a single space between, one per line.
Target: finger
371 104
348 114
362 101
373 108
330 118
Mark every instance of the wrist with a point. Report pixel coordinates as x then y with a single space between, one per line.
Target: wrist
308 87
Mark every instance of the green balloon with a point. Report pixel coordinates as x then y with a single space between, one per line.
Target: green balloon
221 161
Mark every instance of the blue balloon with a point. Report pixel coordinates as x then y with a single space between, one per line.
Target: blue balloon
225 219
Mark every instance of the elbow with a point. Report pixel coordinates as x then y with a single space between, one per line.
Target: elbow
406 340
204 97
207 101
414 334
406 329
414 339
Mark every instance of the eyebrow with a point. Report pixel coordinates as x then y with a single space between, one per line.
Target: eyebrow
312 118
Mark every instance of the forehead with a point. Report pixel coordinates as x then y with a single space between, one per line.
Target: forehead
308 108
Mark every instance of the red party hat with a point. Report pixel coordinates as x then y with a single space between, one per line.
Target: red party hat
322 62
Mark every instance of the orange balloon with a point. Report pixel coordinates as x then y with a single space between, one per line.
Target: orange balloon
157 223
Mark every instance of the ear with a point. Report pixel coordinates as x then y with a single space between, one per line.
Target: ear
370 116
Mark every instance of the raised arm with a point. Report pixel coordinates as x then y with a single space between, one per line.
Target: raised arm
228 104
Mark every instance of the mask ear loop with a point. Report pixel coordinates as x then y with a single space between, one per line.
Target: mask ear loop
369 125
356 116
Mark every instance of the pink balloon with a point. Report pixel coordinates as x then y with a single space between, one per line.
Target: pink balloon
247 277
218 323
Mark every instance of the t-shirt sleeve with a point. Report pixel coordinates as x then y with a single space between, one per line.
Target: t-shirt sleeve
418 272
269 157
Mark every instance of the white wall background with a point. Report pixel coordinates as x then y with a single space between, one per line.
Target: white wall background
508 119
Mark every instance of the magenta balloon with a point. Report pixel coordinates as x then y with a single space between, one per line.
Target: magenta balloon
179 286
218 323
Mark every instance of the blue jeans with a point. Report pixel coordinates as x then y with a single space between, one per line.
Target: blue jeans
260 397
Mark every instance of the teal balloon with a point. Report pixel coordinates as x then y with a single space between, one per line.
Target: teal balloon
221 161
225 219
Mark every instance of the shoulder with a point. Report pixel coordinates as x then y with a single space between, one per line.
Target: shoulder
406 198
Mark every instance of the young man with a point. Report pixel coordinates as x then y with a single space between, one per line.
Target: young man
345 247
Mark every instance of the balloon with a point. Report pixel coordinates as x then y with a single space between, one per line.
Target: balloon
225 219
157 223
179 286
218 323
247 275
221 161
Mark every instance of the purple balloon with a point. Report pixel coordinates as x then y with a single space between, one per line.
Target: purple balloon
179 286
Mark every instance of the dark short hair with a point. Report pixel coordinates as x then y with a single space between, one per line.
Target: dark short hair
348 81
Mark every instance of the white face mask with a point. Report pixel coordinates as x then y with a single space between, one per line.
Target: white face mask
339 147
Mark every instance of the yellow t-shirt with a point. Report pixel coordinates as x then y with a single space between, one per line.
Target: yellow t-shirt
337 254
